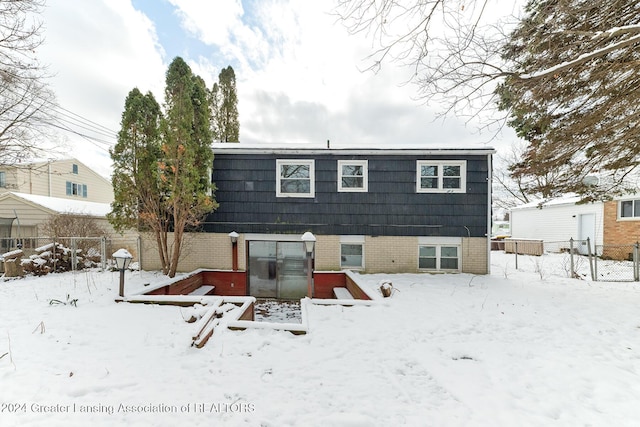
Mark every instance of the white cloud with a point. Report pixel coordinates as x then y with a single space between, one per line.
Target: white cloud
97 54
298 72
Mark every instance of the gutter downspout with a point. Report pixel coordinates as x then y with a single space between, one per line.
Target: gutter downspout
49 177
489 208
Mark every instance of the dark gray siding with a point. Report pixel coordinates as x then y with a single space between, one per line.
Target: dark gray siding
246 192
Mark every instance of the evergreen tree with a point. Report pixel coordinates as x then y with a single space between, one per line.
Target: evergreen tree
187 155
135 157
573 94
162 163
567 78
224 106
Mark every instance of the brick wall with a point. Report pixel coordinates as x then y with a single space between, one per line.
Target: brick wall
200 250
474 255
619 232
383 254
327 252
388 254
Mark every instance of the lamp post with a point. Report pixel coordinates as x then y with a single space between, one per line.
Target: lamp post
309 242
123 259
234 250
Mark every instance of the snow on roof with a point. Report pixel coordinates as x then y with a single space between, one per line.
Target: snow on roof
313 147
60 205
566 200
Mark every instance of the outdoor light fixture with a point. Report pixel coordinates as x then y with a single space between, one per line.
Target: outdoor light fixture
234 250
309 241
123 259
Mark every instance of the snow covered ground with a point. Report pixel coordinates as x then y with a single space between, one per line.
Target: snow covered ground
526 347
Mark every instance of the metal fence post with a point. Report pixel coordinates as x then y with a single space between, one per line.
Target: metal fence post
516 243
74 254
139 248
593 268
572 273
636 262
103 252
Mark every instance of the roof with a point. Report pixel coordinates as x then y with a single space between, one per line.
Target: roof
40 162
60 205
351 149
542 203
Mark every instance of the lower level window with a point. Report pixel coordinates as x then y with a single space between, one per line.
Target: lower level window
351 255
438 257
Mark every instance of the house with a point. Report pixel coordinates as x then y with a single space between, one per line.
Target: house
621 218
66 178
22 216
30 193
557 221
373 210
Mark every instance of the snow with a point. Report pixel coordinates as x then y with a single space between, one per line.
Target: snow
122 253
67 206
526 347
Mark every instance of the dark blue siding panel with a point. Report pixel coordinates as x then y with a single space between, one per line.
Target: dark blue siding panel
246 192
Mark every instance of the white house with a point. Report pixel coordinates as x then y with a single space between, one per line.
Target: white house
558 221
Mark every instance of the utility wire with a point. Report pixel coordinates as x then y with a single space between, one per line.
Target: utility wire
67 119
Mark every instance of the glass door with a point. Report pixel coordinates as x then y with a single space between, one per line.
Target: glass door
262 269
277 270
291 272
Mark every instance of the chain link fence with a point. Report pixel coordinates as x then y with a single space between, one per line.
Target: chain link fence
96 251
580 258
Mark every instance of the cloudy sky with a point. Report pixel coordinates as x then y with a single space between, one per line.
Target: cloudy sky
299 74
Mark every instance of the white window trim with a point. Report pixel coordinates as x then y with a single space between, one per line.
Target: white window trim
352 240
440 163
312 185
439 242
365 175
619 208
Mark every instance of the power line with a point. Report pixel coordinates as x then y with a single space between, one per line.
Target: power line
68 120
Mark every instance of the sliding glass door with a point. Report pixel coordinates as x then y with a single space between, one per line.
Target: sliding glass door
277 269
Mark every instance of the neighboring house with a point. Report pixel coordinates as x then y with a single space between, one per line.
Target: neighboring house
374 210
557 221
26 214
621 225
66 178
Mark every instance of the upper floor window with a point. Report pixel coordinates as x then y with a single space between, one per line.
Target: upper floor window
74 189
441 176
295 178
74 169
629 208
352 175
3 179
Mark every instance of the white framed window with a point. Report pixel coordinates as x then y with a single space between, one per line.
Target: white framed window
352 252
3 179
295 178
78 190
353 175
441 176
629 209
439 254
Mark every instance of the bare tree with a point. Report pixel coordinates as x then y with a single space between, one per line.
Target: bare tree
453 48
510 190
25 100
565 75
